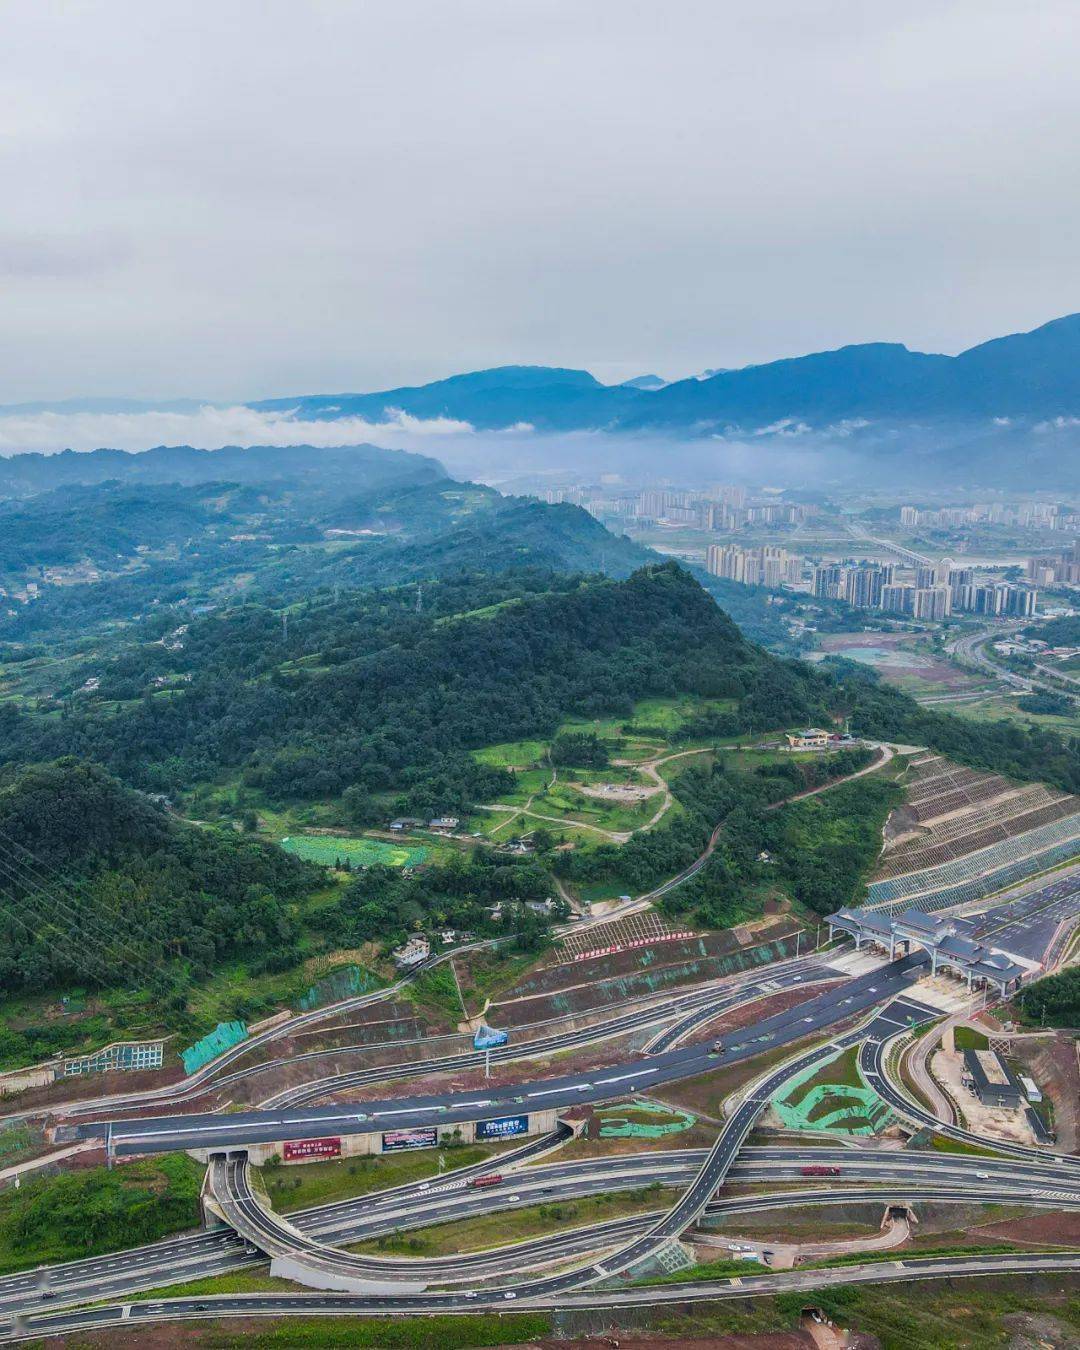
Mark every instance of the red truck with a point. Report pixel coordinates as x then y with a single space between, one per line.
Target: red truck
817 1171
489 1179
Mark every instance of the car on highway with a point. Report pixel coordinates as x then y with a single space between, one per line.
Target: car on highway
509 1294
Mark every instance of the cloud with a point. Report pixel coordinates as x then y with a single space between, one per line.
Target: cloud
205 200
786 426
847 426
42 257
209 428
1058 424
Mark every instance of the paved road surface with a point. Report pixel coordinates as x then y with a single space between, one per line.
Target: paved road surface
345 1305
164 1133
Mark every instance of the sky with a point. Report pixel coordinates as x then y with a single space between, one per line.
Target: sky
243 200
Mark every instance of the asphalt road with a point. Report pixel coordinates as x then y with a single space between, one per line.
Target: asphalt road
1032 919
320 1265
872 1064
703 1006
165 1133
126 1315
893 1175
1025 926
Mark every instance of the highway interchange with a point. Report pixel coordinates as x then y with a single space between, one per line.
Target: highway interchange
878 1174
881 1002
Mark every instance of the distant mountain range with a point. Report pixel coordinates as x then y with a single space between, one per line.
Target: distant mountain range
1004 414
344 469
1032 375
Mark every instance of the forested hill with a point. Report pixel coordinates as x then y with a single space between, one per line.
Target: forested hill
100 883
348 467
363 690
134 547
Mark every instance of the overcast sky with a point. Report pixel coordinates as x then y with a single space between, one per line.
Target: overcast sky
233 200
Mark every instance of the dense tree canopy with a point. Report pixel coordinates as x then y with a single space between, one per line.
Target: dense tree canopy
98 883
370 692
1053 1001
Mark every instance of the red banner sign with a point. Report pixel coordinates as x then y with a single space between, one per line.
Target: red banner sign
295 1149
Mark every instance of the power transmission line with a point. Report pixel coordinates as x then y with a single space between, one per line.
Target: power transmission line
52 916
29 875
79 915
71 952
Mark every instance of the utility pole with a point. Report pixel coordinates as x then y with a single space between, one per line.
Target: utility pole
419 599
284 629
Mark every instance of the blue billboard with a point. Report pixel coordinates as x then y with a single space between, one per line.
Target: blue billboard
505 1127
487 1038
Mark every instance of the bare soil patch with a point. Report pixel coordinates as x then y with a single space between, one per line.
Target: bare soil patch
1052 1062
1061 1228
617 792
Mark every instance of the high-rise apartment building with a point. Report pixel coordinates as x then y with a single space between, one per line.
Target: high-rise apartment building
932 602
829 581
862 587
766 566
898 599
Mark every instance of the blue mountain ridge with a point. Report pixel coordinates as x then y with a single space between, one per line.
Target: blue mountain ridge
1035 374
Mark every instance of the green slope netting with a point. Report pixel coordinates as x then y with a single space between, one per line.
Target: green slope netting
837 1107
223 1036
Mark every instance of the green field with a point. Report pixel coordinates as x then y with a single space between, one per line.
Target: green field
328 848
513 754
997 707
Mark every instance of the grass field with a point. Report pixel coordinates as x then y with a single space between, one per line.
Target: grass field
1003 707
320 1183
328 848
496 1230
512 754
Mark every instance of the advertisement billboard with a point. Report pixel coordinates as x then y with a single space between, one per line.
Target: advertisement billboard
296 1149
487 1037
505 1127
424 1136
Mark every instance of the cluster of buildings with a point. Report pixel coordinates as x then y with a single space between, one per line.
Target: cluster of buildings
1027 515
718 507
440 825
765 566
1062 570
933 591
815 738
